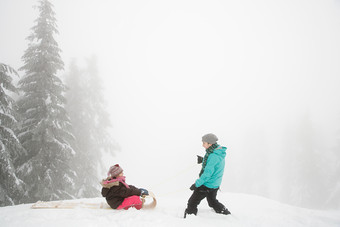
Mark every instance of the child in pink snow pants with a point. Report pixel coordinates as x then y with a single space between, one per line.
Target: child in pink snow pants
119 195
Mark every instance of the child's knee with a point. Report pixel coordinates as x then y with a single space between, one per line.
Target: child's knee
132 201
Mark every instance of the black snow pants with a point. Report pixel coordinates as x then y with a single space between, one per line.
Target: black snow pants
201 193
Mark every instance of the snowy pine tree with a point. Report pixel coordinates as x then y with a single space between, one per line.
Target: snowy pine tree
333 179
305 180
100 118
90 124
45 127
76 107
11 188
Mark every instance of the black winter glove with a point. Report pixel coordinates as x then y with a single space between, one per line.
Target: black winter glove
144 192
199 159
193 187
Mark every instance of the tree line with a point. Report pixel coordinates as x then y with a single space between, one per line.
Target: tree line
52 133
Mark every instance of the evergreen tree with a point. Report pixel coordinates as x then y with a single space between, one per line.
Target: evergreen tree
333 179
304 181
11 187
87 180
45 127
90 122
101 120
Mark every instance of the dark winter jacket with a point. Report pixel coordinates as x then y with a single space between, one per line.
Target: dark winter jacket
116 193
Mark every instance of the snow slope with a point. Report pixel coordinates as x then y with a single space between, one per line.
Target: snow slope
246 210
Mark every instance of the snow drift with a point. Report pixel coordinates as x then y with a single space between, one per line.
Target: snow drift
247 210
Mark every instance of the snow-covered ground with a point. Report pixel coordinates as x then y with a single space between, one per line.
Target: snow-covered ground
247 210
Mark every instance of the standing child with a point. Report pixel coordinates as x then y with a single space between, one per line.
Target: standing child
119 195
210 177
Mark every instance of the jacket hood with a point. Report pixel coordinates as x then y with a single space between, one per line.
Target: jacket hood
116 183
220 151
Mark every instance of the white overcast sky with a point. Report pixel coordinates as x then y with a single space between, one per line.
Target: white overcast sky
174 70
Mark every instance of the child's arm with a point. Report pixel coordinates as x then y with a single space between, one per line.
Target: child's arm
132 187
127 192
143 191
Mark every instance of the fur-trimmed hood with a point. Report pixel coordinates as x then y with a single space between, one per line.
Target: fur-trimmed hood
114 181
109 185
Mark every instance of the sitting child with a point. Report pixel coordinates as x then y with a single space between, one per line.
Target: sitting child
119 195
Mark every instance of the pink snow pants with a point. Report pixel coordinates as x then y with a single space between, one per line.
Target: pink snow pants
132 201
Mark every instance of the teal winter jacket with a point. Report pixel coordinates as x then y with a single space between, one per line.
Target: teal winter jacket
213 171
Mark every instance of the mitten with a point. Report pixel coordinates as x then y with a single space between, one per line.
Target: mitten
199 159
144 192
193 187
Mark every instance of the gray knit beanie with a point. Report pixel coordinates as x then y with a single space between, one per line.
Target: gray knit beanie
210 138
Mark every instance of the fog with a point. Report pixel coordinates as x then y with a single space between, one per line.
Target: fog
255 73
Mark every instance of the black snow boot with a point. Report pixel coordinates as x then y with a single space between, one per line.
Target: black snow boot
225 211
186 213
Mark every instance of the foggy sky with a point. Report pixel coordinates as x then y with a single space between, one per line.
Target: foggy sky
175 70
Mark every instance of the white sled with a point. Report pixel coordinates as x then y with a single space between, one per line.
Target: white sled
69 204
149 202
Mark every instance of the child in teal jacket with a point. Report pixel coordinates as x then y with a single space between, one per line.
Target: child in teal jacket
210 177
